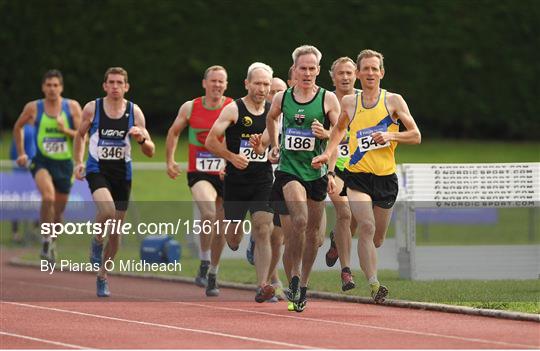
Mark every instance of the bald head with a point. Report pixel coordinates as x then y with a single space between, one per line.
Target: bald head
277 86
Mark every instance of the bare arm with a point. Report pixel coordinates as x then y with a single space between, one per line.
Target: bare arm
28 114
75 111
179 124
140 133
79 142
338 132
228 116
399 110
272 119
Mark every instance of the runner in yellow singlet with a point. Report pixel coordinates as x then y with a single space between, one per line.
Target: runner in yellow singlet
370 179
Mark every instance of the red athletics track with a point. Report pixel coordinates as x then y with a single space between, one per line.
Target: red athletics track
61 311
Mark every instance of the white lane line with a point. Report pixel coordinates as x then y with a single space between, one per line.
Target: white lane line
57 343
290 316
166 326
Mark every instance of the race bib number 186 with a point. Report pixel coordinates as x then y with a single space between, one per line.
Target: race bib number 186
299 139
366 142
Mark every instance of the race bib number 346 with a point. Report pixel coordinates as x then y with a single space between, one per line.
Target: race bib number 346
299 139
208 162
111 149
366 142
251 155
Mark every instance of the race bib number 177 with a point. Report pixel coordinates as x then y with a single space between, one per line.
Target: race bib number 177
208 162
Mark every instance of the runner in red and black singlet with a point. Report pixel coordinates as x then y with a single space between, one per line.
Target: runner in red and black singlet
203 167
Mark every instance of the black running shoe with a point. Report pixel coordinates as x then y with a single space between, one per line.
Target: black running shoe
212 289
293 294
201 279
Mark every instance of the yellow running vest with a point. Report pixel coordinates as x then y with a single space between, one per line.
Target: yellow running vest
368 156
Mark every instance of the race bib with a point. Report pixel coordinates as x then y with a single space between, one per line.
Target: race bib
55 145
111 149
366 142
251 155
343 148
207 162
299 139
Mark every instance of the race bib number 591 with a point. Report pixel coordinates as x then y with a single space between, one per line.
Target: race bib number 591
208 162
299 139
55 145
366 142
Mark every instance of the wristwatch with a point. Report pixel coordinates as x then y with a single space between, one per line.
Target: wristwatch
142 141
331 173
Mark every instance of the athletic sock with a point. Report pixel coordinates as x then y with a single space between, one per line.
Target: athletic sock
213 269
204 255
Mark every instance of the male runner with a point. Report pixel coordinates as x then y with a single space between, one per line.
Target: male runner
203 167
370 181
307 111
112 121
248 179
55 119
342 73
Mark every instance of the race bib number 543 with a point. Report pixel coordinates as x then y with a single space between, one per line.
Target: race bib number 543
366 142
299 139
208 162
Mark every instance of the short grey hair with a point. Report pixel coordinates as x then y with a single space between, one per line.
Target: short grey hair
257 65
304 50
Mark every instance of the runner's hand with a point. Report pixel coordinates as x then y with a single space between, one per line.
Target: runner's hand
319 161
256 143
79 171
222 174
22 161
61 125
273 156
239 161
318 130
331 185
381 137
173 170
136 133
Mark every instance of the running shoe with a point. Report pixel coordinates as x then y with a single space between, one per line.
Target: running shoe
347 282
290 306
293 294
279 293
201 279
265 293
102 287
250 252
332 253
300 305
44 254
379 293
212 289
96 252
